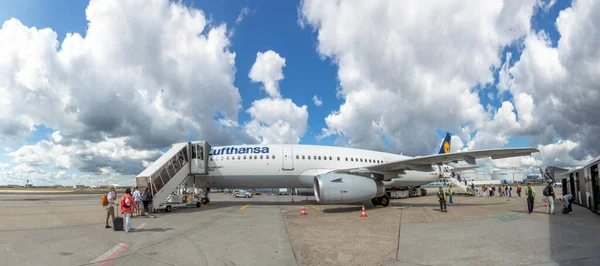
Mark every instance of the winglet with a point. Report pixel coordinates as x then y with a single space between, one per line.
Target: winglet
445 148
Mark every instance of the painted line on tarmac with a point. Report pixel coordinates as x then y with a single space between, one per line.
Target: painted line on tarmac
316 208
111 254
245 206
142 226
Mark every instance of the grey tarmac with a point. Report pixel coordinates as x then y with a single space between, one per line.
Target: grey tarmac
68 229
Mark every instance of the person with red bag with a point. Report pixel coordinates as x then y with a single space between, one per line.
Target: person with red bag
127 207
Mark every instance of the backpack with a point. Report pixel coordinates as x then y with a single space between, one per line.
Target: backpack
104 200
124 201
546 191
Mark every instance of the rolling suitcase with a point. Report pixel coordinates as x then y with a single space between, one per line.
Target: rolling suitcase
118 222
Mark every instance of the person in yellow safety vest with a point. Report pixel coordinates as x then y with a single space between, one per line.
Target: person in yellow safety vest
530 192
442 199
450 193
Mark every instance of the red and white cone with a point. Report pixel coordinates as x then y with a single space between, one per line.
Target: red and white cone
303 213
364 214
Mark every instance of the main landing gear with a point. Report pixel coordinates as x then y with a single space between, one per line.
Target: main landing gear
383 200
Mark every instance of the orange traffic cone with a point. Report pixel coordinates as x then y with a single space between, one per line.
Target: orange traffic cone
303 213
545 204
364 214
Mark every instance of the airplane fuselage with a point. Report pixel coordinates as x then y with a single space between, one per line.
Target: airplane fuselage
293 166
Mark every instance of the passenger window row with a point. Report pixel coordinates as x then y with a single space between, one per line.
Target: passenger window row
298 157
316 157
241 157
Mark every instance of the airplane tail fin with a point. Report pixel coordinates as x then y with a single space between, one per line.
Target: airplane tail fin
445 148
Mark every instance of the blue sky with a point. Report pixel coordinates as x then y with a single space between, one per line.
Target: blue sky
269 25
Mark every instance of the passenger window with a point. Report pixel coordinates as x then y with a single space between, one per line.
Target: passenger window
233 157
309 157
319 157
244 157
370 161
239 157
352 159
330 158
338 158
346 159
227 157
361 160
255 157
261 156
302 157
273 156
211 158
297 157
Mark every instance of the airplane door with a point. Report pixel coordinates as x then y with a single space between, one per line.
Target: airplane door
288 159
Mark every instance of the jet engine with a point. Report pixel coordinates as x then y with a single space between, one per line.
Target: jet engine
344 188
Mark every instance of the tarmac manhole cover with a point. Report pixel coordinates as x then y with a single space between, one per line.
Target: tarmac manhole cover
507 217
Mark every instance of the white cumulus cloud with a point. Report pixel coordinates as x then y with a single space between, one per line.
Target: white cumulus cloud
561 85
139 72
145 74
277 120
274 119
407 69
268 69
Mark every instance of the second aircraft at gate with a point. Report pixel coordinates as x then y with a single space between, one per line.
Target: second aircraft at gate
336 174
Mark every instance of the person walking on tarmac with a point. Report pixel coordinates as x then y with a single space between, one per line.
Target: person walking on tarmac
549 194
442 199
519 190
530 193
450 193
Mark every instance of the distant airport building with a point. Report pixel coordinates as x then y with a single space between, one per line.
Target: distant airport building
472 175
534 179
507 175
553 173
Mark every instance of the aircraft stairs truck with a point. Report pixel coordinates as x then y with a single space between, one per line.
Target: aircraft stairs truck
176 169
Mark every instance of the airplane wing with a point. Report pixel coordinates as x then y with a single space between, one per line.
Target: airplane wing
424 163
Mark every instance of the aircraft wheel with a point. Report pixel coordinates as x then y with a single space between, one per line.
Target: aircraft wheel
168 209
375 201
205 200
385 200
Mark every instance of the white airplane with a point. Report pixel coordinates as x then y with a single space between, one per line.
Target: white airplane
336 174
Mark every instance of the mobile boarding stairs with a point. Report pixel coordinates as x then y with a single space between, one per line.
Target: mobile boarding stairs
171 171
